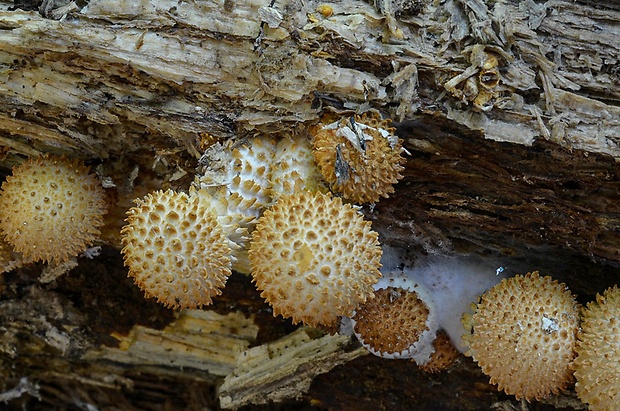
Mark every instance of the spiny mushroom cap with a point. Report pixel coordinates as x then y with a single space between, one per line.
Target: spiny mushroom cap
359 156
294 168
175 249
399 322
250 179
314 258
524 334
243 168
224 208
444 356
597 366
51 209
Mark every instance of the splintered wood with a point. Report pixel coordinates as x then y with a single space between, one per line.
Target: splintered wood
283 369
218 344
201 340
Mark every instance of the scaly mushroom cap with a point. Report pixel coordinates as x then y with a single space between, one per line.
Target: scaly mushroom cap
597 366
314 258
399 322
51 209
359 156
175 249
242 169
524 335
294 168
444 356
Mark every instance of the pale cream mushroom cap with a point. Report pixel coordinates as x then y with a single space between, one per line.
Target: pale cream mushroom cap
51 209
314 258
176 250
524 335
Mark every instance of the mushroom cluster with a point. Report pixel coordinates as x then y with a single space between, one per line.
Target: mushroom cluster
249 175
330 255
263 207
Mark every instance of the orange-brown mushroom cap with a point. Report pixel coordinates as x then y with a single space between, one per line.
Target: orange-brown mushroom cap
444 356
51 209
400 321
359 156
314 258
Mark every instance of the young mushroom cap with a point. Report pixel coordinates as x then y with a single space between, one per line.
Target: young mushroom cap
444 356
176 250
294 169
359 156
399 322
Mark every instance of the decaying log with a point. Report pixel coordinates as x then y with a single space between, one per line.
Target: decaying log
508 111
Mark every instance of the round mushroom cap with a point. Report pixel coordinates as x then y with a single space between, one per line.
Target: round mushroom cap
294 169
359 156
399 322
524 335
314 258
597 366
243 168
51 209
240 170
175 249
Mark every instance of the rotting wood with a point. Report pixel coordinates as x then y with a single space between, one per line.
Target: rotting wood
284 369
102 78
201 340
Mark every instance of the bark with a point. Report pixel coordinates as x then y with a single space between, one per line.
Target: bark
508 110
